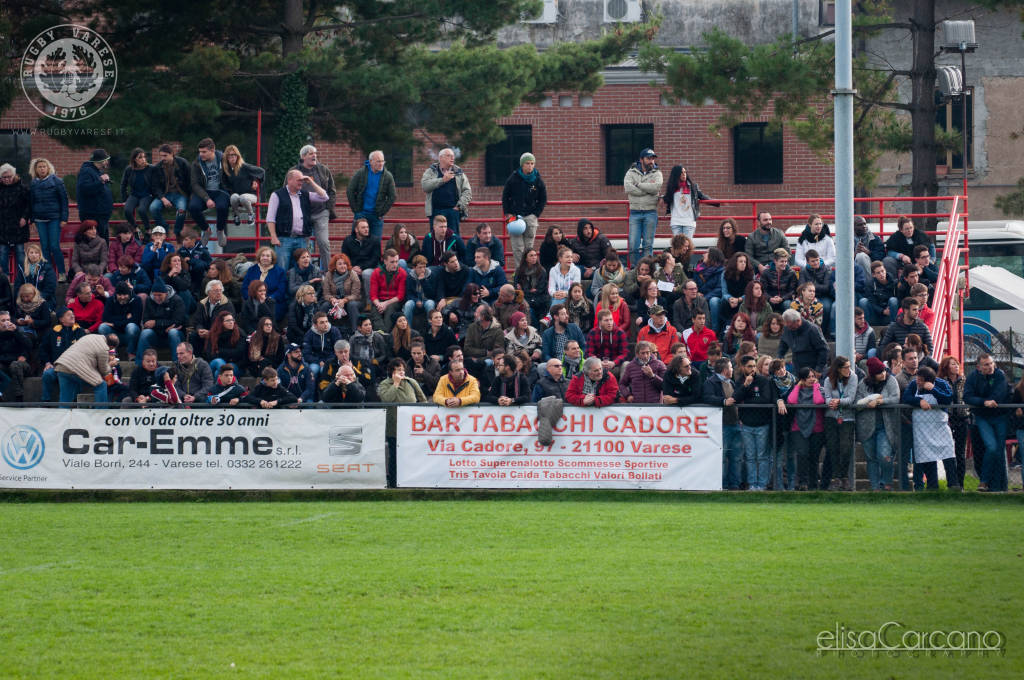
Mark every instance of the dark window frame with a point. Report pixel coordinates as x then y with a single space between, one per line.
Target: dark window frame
502 158
21 155
757 161
619 156
399 160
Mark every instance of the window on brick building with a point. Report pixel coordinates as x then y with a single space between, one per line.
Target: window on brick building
502 157
949 117
16 149
622 146
756 154
399 162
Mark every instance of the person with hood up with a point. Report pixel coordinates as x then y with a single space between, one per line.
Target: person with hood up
524 197
816 236
591 245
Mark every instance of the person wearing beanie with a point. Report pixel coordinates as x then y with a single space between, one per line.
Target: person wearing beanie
878 428
524 197
163 318
122 314
522 336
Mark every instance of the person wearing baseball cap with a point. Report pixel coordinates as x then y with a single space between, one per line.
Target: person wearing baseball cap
95 198
643 189
878 428
295 376
659 332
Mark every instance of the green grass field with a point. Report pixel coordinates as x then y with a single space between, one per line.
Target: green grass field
542 585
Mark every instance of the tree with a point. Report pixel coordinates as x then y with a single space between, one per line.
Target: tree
377 74
789 79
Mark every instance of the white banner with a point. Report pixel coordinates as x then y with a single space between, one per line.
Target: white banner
615 447
191 449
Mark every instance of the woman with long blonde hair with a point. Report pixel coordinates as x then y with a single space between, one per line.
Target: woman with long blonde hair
49 199
241 180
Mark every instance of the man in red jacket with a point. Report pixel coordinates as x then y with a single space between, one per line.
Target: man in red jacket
593 387
387 291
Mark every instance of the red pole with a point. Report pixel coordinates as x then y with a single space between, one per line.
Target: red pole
259 158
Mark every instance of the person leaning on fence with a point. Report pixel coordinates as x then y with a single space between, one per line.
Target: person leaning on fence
268 392
15 352
49 199
807 431
642 377
681 385
933 440
878 429
144 379
194 374
752 388
593 387
510 387
951 371
345 388
524 197
840 392
804 340
457 387
985 391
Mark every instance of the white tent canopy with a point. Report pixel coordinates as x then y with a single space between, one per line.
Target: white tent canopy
1000 284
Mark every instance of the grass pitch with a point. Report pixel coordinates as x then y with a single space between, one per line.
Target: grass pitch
557 585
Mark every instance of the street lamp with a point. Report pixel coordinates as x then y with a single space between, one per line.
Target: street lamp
958 36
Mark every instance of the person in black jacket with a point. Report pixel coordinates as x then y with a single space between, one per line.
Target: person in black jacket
163 319
15 214
591 247
53 344
135 189
169 185
241 181
122 314
225 343
806 342
95 199
756 423
524 197
985 390
207 192
680 385
510 388
144 380
269 392
363 251
225 390
15 352
344 388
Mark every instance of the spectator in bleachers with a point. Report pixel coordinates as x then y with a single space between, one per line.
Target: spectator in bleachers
907 323
439 336
457 387
300 314
808 306
669 271
53 344
929 271
220 271
89 248
132 275
488 274
402 337
49 198
868 246
508 303
87 308
241 181
823 277
730 240
420 289
764 241
483 336
344 388
369 347
804 340
951 371
865 345
899 248
422 367
719 390
609 271
225 343
135 191
205 175
85 364
659 332
522 336
269 392
398 388
123 244
532 279
170 186
448 191
815 236
985 390
101 286
295 376
524 197
911 276
840 391
919 292
441 240
643 189
452 280
698 339
226 390
681 385
460 313
593 386
562 276
195 258
343 293
267 271
552 382
581 310
318 343
708 275
511 387
144 379
154 254
736 276
265 346
31 313
807 431
779 281
612 301
207 310
93 192
321 213
554 239
572 359
905 375
194 374
933 440
304 272
642 377
634 280
739 331
256 305
755 305
878 429
882 303
167 391
681 249
405 244
36 270
174 273
592 247
163 319
15 353
484 238
387 292
691 302
561 331
122 314
650 297
915 343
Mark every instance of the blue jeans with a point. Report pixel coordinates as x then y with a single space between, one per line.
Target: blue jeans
878 454
410 308
150 338
875 316
288 245
732 456
197 208
714 304
785 458
71 385
215 365
49 241
680 229
993 469
642 225
452 214
129 336
137 205
376 225
5 258
50 385
156 211
757 454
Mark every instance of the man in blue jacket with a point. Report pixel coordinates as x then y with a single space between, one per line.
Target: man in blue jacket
93 193
554 339
985 389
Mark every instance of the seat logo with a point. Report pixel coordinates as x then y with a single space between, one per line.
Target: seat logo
23 447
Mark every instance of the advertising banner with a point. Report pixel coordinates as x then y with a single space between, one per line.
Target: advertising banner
615 447
191 449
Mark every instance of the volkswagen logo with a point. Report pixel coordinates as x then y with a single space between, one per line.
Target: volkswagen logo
23 447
